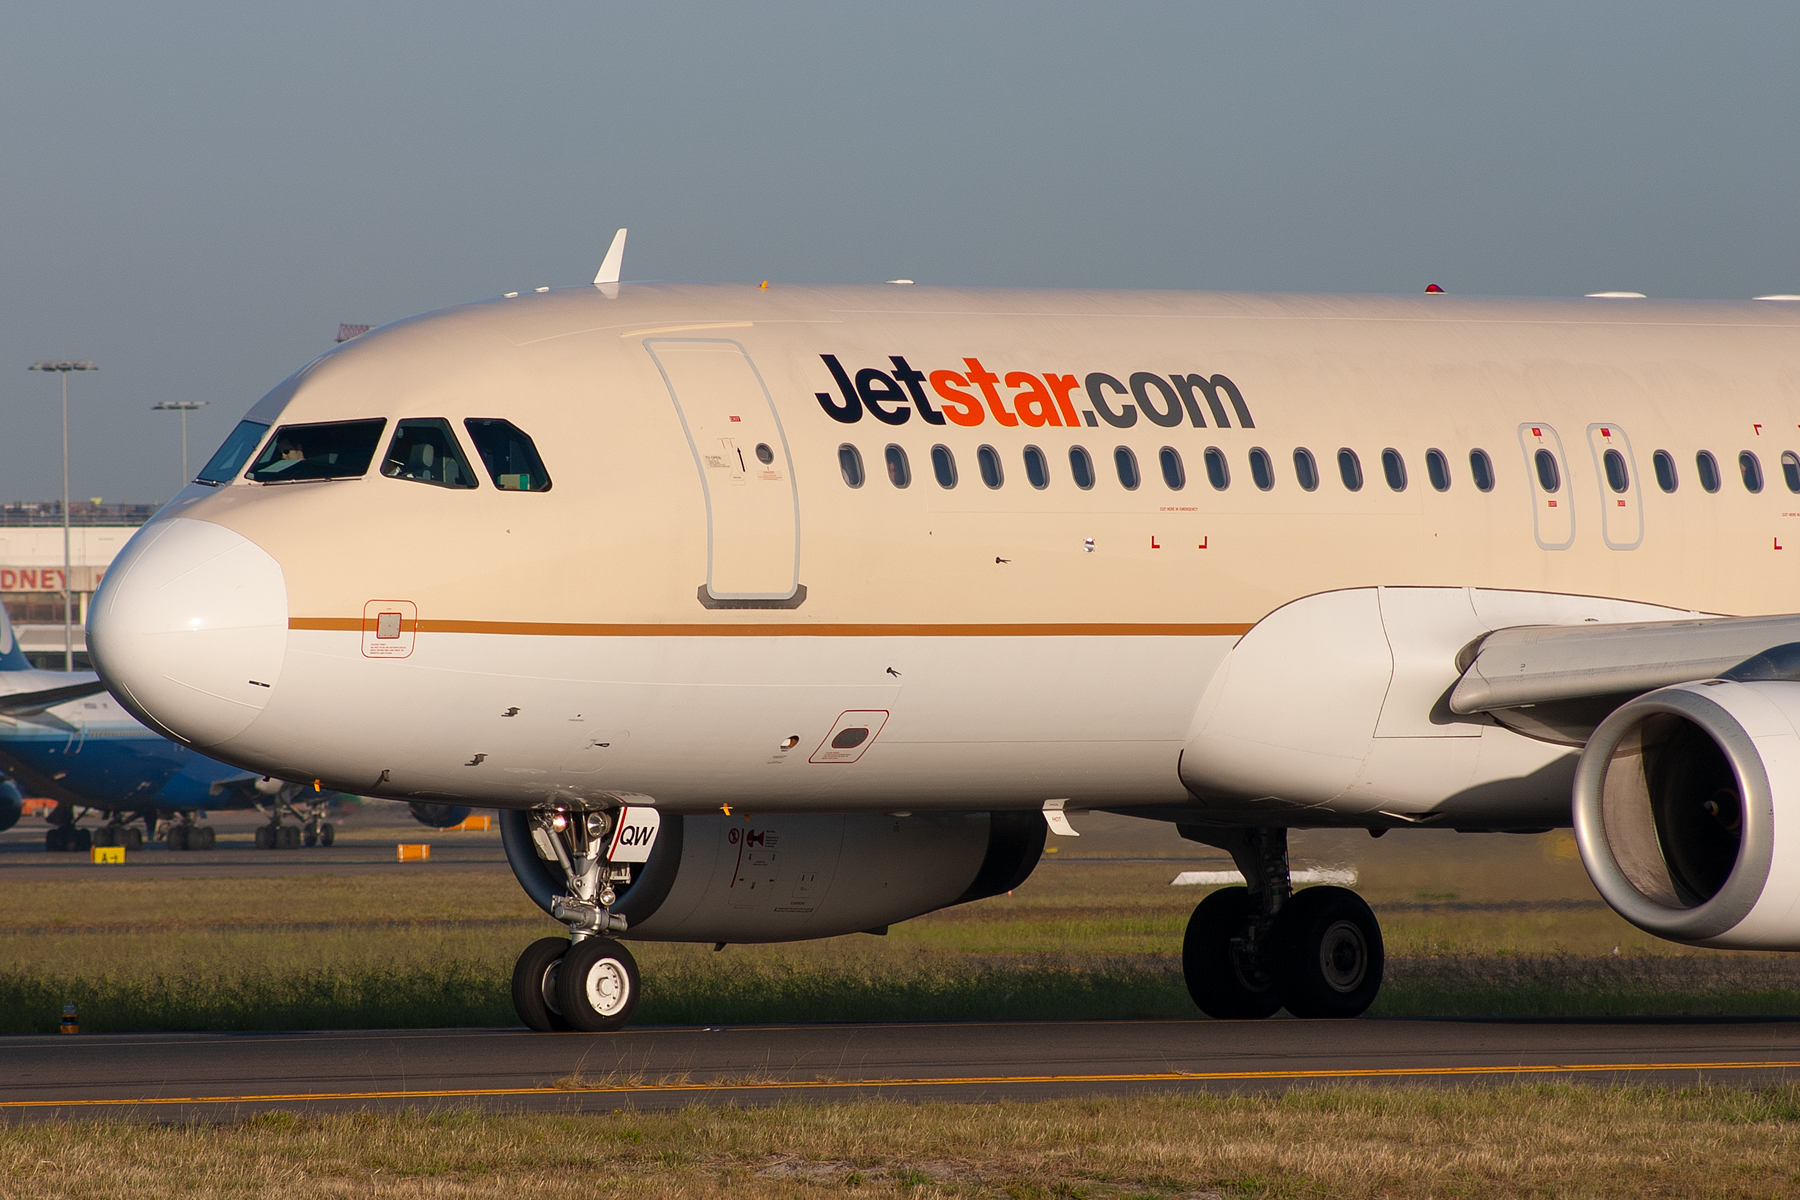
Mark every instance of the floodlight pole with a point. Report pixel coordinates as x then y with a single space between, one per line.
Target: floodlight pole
184 407
63 369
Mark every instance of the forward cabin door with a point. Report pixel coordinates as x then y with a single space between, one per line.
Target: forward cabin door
752 514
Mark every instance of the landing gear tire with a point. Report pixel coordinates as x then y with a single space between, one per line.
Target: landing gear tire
534 985
1213 979
202 837
311 839
288 837
597 985
180 836
327 834
265 837
133 839
1326 954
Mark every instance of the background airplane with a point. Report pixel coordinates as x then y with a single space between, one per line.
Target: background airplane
63 738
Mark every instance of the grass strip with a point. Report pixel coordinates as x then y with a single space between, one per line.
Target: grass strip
682 986
1403 1142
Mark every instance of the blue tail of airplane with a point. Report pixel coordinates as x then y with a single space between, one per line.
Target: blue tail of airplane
11 657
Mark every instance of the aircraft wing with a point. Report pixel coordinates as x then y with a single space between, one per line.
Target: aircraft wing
1559 681
30 704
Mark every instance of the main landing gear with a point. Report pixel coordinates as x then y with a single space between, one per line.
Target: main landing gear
586 982
1252 950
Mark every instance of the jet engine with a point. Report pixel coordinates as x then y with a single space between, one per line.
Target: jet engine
12 804
1687 811
784 877
439 816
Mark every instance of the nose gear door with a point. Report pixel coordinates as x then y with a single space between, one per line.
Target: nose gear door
752 514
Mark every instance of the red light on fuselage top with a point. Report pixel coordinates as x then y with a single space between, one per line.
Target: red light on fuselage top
1432 289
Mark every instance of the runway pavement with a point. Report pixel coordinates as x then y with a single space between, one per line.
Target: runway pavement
214 1076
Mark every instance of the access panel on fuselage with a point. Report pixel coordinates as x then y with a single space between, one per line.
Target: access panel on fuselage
753 523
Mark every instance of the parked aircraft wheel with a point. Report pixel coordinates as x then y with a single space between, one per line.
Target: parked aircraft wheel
177 837
203 837
133 838
106 835
597 985
80 840
311 838
1327 954
265 838
1213 980
290 837
57 839
327 834
534 985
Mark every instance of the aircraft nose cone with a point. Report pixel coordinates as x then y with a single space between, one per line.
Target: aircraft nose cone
189 629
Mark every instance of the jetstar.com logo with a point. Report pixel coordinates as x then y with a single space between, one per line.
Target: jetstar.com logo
971 395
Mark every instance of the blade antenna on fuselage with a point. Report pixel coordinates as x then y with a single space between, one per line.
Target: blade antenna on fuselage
613 262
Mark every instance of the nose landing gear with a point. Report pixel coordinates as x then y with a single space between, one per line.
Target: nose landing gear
588 982
1252 950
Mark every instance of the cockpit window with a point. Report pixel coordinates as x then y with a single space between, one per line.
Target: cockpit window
230 458
424 450
334 450
511 459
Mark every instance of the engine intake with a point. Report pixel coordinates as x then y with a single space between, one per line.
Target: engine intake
1687 811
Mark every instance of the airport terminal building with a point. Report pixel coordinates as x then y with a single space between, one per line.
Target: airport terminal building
31 569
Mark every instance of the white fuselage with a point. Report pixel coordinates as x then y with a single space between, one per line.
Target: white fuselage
677 622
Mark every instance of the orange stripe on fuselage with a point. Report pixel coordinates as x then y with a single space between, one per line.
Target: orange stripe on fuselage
747 629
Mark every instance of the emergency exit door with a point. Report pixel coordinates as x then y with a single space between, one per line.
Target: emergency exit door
752 514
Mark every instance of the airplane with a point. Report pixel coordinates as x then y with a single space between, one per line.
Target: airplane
764 613
65 739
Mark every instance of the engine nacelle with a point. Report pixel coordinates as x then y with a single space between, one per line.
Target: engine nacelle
1687 811
12 804
439 816
787 877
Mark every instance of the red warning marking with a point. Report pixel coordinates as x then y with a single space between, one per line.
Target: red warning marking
1537 433
1621 503
1552 503
737 419
1203 542
1778 543
1758 429
1605 433
1153 544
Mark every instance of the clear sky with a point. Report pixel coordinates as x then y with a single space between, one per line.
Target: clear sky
195 195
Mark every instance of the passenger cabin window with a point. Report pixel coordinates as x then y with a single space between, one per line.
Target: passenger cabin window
1081 467
1750 467
230 457
943 465
510 456
1790 470
1350 469
1126 463
987 461
1664 462
333 450
1173 470
1481 470
1707 467
1394 467
1218 471
1306 469
1437 469
1617 477
1548 473
899 470
1037 468
1262 471
850 464
425 451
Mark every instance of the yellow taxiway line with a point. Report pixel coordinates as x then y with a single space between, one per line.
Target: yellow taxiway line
940 1081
